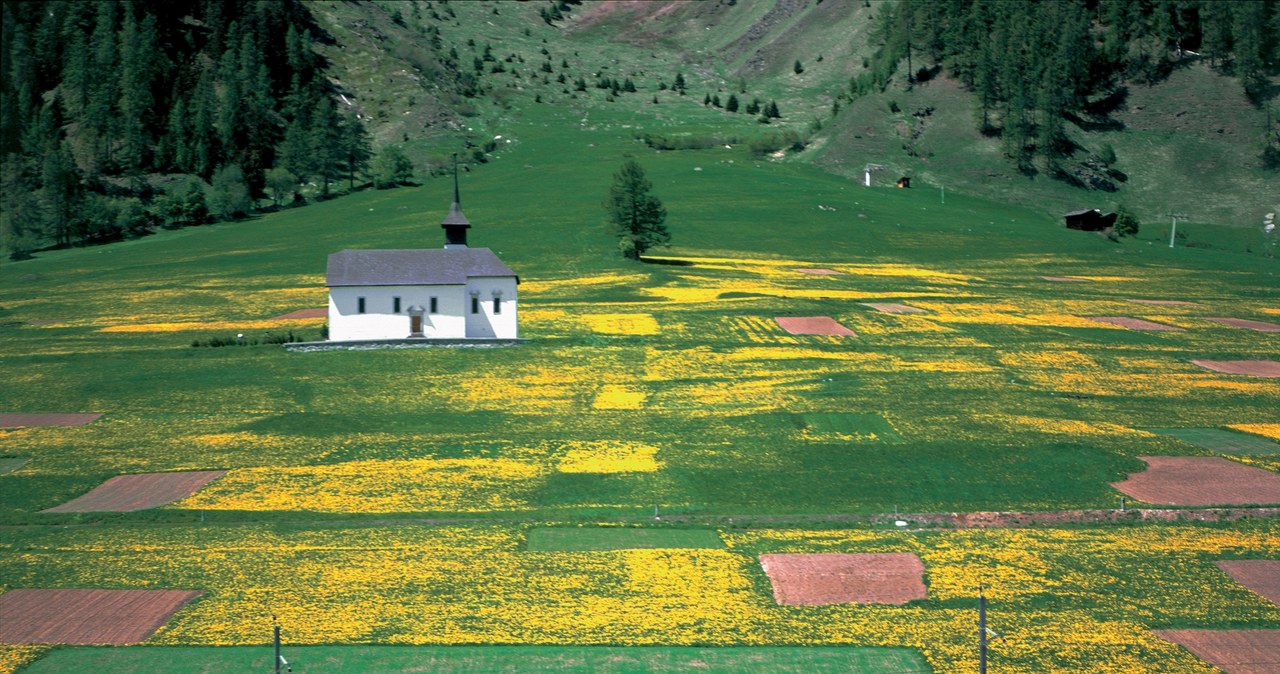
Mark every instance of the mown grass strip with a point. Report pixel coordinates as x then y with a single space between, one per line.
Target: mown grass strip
1219 440
403 659
583 539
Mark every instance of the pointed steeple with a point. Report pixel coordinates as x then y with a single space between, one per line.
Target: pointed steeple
455 224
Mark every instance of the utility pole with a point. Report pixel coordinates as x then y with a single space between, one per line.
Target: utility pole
1173 231
982 633
279 659
275 626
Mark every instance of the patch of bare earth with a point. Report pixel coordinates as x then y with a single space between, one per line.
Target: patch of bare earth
1260 575
322 312
1259 326
115 617
813 325
21 420
1132 323
139 492
1165 303
1200 480
817 271
841 578
1253 368
890 308
1232 651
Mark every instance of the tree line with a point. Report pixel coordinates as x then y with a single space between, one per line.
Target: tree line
1033 65
99 97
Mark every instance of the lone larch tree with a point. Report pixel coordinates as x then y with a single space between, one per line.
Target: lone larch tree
636 215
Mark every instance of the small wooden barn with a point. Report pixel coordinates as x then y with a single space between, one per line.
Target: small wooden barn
1090 220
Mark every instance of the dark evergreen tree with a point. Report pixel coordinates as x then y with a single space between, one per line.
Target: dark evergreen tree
636 215
357 147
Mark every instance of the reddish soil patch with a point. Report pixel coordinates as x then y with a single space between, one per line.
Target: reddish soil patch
1064 279
1166 303
1260 575
116 617
817 271
839 578
19 420
1255 368
894 308
303 313
813 325
1200 480
1131 323
1232 651
1247 324
139 492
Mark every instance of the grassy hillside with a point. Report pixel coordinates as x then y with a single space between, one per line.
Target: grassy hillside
1176 152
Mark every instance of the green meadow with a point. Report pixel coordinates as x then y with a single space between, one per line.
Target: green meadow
390 659
392 506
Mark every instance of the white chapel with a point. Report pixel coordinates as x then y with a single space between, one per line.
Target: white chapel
455 292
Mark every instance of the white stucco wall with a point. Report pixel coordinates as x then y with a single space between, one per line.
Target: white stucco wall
486 323
453 318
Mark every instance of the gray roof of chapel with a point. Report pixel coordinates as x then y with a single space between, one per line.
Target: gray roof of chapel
432 266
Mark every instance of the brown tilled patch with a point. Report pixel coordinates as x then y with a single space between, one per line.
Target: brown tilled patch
87 617
1259 326
1254 368
1200 480
1064 279
813 325
22 420
1232 651
322 312
1132 323
817 271
890 308
1260 575
139 492
841 578
1166 303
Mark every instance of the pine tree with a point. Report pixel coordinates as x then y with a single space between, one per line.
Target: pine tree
138 55
324 145
636 215
731 105
59 192
357 147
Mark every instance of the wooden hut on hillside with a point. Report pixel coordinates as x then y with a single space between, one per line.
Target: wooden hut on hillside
1090 220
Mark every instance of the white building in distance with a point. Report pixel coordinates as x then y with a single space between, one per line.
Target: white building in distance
451 293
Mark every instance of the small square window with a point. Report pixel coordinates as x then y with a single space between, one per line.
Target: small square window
359 305
395 305
435 306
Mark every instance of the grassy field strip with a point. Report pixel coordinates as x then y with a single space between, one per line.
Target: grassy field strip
1219 440
576 539
481 659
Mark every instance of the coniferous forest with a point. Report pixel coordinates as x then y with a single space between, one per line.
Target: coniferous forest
1033 66
111 111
